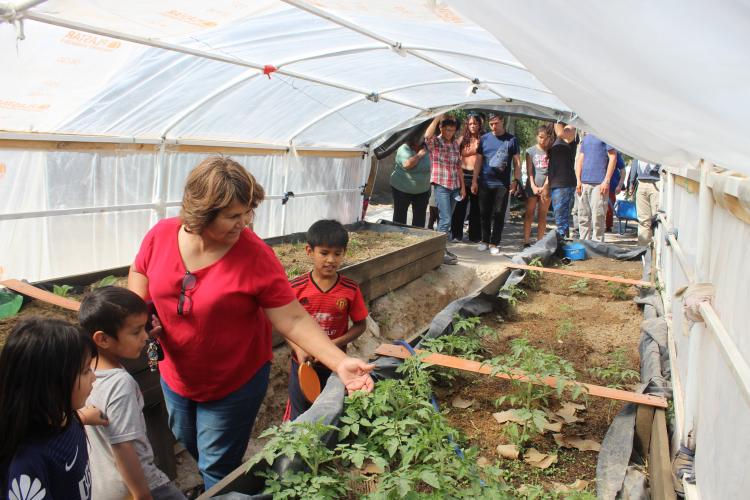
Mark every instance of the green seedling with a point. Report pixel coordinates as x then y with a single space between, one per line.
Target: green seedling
61 290
512 293
618 290
529 394
534 278
566 308
294 270
106 281
616 374
564 328
580 286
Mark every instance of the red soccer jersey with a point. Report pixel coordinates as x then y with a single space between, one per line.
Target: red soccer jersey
224 338
331 309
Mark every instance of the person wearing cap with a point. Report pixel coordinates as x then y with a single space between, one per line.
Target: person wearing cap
493 183
644 182
446 175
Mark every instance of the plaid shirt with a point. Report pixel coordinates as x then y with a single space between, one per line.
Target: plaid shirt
446 162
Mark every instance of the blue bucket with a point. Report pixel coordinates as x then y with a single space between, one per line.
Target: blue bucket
574 251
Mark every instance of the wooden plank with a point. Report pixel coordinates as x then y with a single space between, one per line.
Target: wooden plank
364 271
76 146
644 418
39 294
381 285
189 148
396 351
659 466
577 274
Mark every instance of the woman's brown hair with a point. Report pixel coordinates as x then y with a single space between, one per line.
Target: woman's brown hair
216 183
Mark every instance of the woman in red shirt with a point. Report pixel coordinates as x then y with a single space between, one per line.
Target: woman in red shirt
217 289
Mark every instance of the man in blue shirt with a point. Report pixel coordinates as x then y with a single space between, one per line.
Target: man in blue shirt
594 168
500 154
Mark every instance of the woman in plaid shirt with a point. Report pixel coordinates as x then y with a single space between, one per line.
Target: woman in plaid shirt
446 175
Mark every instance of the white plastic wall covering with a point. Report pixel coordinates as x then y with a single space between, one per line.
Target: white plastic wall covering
325 115
44 18
248 75
440 50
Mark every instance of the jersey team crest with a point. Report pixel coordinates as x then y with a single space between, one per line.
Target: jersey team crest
341 304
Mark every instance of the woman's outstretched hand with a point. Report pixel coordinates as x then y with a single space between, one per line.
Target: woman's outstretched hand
355 374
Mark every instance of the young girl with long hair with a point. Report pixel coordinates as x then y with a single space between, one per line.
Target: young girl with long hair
470 159
537 183
45 377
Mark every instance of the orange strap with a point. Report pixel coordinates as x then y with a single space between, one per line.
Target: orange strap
580 275
395 351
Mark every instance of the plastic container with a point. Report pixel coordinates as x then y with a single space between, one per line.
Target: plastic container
10 303
574 251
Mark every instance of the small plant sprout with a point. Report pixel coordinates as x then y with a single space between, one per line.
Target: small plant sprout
61 290
564 328
534 278
461 324
580 286
566 308
106 281
616 374
618 290
512 293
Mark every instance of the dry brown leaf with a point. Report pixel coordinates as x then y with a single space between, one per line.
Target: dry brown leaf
576 442
482 462
509 451
459 402
577 406
568 414
508 416
577 485
535 458
553 427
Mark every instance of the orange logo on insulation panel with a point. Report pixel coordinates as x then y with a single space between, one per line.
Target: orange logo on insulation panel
89 41
188 18
22 106
3 169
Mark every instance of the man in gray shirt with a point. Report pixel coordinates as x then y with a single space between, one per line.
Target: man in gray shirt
644 181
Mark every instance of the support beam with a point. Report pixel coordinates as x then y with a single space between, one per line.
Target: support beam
150 42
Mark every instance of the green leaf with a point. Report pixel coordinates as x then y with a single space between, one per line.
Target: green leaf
430 478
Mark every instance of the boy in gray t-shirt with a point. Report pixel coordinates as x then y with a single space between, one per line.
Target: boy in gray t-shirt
121 458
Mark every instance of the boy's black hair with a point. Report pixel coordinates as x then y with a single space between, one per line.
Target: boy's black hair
449 121
327 232
39 366
107 308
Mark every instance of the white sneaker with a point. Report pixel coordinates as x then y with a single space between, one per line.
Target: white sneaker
482 247
494 251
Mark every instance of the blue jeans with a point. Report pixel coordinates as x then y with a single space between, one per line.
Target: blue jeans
446 202
562 202
216 432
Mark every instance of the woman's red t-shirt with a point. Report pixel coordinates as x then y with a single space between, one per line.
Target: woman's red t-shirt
224 338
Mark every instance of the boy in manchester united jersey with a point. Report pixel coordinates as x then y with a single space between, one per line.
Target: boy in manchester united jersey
330 298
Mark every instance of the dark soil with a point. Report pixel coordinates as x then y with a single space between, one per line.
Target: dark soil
601 325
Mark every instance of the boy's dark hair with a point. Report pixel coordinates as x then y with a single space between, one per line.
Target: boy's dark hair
107 308
327 232
448 121
39 366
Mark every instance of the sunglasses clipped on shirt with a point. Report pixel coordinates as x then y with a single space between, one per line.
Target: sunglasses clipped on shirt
184 301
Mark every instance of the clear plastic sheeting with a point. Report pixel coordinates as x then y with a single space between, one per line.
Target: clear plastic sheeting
663 81
115 196
182 71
